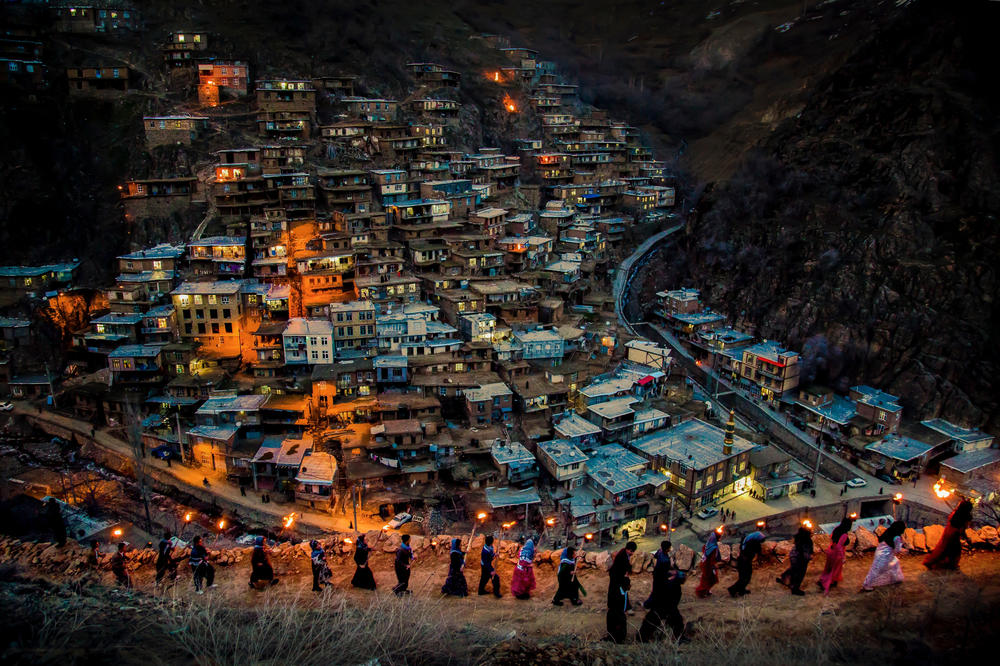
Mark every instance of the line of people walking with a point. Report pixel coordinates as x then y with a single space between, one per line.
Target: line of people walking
662 617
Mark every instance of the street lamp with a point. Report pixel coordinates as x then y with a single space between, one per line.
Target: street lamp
897 499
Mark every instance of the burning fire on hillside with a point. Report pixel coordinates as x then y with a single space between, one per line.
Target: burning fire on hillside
509 104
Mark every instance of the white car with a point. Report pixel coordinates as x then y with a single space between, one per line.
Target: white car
399 520
6 406
707 512
857 482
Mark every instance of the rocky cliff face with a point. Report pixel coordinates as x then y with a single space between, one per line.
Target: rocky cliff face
864 231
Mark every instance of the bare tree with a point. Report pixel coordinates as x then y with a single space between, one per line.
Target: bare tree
133 432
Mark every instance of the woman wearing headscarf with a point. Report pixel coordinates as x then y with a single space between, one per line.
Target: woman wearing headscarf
619 584
886 569
455 584
523 581
662 561
662 605
798 561
363 577
321 572
833 572
569 586
750 548
260 565
948 550
709 565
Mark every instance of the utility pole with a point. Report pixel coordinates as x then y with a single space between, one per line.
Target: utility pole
354 498
180 441
670 522
48 378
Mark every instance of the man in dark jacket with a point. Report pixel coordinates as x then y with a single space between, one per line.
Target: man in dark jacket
200 568
749 549
404 558
56 522
619 584
487 570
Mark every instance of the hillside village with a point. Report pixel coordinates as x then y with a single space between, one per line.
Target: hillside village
374 313
368 302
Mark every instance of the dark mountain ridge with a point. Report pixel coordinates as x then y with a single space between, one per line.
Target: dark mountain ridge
864 231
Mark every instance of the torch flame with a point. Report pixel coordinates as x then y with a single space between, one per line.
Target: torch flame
940 490
385 528
720 529
760 523
807 524
187 517
588 536
348 541
222 524
508 103
481 515
898 497
117 531
853 515
289 520
550 521
496 76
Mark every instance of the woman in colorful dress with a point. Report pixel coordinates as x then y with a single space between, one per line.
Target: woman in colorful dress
524 573
455 584
833 572
886 569
709 565
948 550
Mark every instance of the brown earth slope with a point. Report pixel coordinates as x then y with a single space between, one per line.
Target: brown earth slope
936 617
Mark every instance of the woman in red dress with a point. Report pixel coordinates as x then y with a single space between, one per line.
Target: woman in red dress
709 565
833 573
948 550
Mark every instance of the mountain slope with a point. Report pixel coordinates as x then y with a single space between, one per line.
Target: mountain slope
864 231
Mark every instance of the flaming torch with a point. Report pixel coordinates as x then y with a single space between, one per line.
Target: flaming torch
288 521
480 518
808 524
117 532
941 491
720 529
509 104
761 524
897 499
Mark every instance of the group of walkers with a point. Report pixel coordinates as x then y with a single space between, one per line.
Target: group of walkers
885 568
661 606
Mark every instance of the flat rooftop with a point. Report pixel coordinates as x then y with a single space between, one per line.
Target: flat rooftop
574 426
969 461
952 431
694 444
505 453
562 452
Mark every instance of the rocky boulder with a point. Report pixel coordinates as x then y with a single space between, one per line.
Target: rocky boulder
725 552
866 540
783 548
989 534
821 542
919 541
603 560
972 536
391 543
933 534
684 557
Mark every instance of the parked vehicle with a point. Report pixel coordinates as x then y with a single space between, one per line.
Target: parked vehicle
6 406
707 512
857 482
165 452
399 520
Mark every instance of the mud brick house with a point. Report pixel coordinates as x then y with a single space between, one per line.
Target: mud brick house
374 110
286 108
222 256
172 130
434 75
26 73
158 197
100 80
16 282
210 314
222 77
97 16
879 411
338 85
181 48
